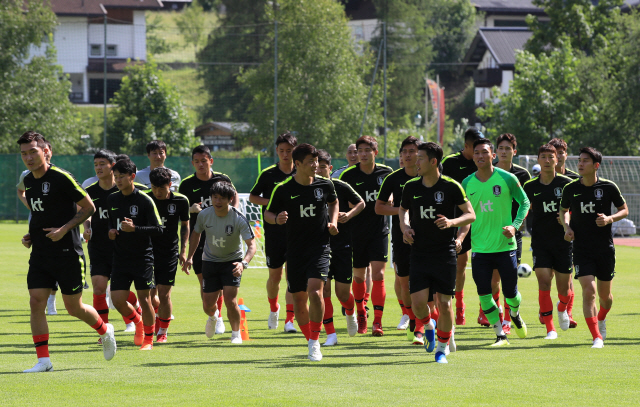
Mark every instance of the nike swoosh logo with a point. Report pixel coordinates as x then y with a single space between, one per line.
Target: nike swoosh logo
114 209
77 288
416 197
358 183
294 197
472 194
348 278
171 281
574 195
149 283
534 194
462 168
95 199
26 189
196 190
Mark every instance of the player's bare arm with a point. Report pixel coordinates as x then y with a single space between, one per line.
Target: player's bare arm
344 217
194 241
276 219
385 208
184 237
26 240
86 210
408 233
258 200
22 198
196 208
251 250
235 202
333 217
87 229
462 233
564 221
603 220
467 217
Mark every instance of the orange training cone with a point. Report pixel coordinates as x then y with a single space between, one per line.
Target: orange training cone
244 328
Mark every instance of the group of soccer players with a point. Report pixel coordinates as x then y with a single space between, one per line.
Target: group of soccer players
320 228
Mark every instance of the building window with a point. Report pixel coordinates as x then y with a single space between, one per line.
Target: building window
96 50
112 50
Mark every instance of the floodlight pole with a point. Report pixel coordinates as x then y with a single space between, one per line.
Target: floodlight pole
384 35
275 92
104 87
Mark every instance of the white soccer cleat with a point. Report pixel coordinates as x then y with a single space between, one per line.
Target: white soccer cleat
220 329
131 327
332 340
51 306
290 328
563 318
236 339
314 351
598 343
109 343
210 327
551 335
602 327
40 367
352 325
404 323
172 317
447 351
452 342
273 319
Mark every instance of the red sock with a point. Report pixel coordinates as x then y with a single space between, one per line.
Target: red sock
410 313
572 295
134 317
290 314
378 296
327 320
273 303
41 342
101 306
306 330
435 314
132 299
564 301
219 304
164 323
148 334
358 295
100 327
602 314
592 323
460 299
314 330
421 322
443 337
507 311
157 324
348 306
404 311
366 297
496 298
546 309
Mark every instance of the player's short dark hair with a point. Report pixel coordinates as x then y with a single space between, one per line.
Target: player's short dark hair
484 141
558 143
106 154
302 151
472 134
595 155
201 150
121 157
160 177
287 138
156 145
323 155
125 166
48 145
30 136
370 141
224 189
547 148
433 150
410 140
507 137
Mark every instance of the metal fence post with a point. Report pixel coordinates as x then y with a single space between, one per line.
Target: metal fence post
105 84
384 34
275 92
366 107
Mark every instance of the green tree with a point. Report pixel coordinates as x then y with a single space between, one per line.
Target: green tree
453 22
322 90
148 107
34 92
155 43
191 24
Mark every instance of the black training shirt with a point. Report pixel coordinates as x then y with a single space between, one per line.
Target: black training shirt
172 211
346 195
264 186
545 206
393 185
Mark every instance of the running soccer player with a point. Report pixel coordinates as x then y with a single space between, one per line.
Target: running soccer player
370 231
459 166
551 253
561 149
54 196
308 207
589 200
507 147
352 159
428 221
491 191
275 240
173 208
392 187
350 204
157 154
222 261
196 187
133 221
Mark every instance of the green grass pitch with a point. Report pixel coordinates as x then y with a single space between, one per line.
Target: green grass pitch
272 368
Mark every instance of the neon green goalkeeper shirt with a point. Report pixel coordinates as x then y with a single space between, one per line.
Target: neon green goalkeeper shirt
491 202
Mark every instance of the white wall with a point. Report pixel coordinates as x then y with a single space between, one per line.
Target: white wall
121 35
507 77
487 61
70 39
364 30
139 35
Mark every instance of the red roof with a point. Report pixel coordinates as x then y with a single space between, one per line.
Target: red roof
100 7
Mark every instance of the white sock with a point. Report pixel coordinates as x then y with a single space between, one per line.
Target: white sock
441 347
235 334
162 331
216 314
44 360
52 297
430 326
497 328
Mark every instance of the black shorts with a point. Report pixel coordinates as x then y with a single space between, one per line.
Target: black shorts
275 249
601 265
557 258
197 260
340 267
466 243
310 265
372 249
123 276
164 269
401 257
482 266
438 273
101 262
518 237
68 271
216 275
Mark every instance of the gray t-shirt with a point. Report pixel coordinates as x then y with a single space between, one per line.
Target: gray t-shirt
142 177
20 185
224 235
89 181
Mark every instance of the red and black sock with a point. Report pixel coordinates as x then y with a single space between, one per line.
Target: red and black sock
41 342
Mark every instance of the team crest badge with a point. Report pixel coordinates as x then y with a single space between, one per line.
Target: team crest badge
171 208
228 230
380 179
133 210
558 192
599 193
497 190
439 196
46 187
318 193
